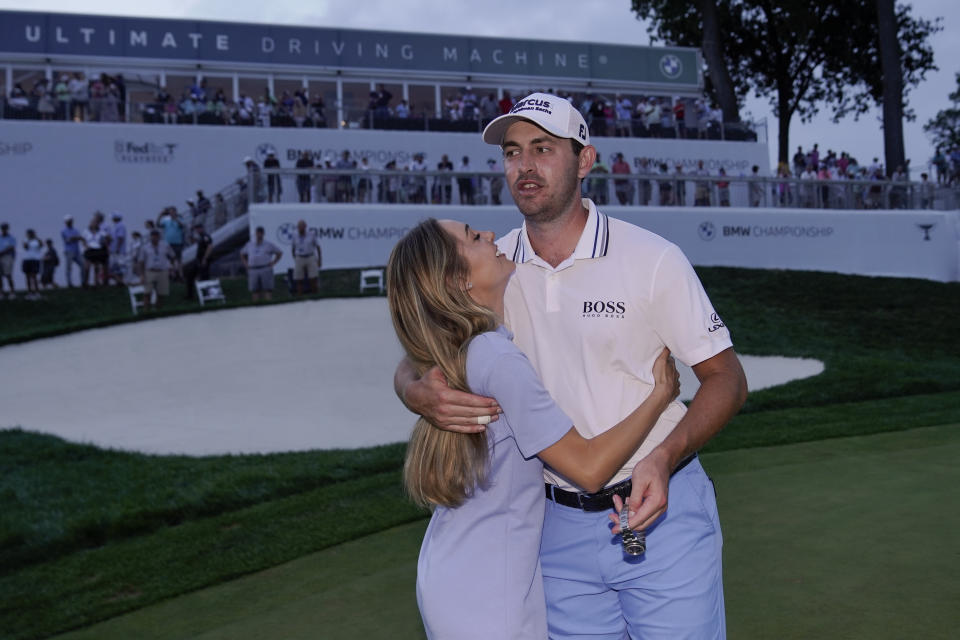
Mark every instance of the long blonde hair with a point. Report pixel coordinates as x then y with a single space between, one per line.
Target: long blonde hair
435 319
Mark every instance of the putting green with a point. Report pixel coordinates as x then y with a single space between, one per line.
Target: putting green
843 538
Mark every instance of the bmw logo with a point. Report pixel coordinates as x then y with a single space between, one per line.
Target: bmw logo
706 230
263 150
671 66
285 232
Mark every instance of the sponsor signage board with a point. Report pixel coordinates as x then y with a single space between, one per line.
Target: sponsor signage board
918 244
58 34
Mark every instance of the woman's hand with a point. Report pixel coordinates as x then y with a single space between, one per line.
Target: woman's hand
666 378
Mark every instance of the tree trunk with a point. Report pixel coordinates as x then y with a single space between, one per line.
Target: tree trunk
716 63
894 155
784 115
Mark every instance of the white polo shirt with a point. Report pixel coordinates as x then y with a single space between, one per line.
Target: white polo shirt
593 326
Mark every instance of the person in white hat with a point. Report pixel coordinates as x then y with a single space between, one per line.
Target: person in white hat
592 303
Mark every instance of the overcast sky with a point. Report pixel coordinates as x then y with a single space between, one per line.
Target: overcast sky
608 21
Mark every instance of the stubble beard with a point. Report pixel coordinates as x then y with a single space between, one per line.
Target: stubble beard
556 204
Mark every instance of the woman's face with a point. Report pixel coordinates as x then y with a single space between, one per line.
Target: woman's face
489 269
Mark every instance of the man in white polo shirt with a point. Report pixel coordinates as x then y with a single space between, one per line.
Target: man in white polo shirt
258 257
307 257
592 302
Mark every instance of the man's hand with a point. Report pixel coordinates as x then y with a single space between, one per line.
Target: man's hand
648 499
447 408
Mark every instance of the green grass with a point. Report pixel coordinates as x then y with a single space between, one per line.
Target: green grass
86 534
821 540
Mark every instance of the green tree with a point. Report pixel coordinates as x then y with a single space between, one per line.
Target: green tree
944 128
801 55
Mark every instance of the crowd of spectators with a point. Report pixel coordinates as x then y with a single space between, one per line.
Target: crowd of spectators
70 97
104 253
103 98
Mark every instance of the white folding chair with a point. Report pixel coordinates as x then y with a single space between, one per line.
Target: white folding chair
208 290
136 297
371 279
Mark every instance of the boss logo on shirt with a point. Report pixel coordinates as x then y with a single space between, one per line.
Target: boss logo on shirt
715 323
604 309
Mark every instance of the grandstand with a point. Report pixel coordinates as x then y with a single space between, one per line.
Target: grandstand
173 106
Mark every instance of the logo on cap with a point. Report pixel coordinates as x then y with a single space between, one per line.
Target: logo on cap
671 66
532 104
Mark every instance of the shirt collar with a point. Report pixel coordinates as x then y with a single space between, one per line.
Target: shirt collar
593 242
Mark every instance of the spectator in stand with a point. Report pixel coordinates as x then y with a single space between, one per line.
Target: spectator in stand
219 211
598 118
258 189
305 161
117 266
364 183
174 235
46 101
72 252
199 269
345 181
624 109
274 185
382 105
259 256
489 109
468 105
679 187
32 256
154 262
8 253
653 118
390 184
943 169
417 186
666 120
808 191
465 182
596 187
926 191
496 181
402 110
96 251
756 187
623 188
505 103
665 186
203 206
49 265
799 161
443 185
813 158
898 192
723 189
62 91
264 111
701 188
307 258
79 96
679 116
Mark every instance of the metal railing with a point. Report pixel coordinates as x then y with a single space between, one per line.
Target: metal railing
229 114
432 187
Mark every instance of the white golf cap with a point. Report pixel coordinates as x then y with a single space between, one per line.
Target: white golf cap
553 114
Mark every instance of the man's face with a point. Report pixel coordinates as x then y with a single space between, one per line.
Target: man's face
542 172
301 227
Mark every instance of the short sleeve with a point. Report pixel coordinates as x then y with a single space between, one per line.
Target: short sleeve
497 368
681 312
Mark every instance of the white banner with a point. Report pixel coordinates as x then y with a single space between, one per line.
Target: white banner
917 244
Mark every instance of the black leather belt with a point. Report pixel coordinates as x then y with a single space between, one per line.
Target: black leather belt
601 500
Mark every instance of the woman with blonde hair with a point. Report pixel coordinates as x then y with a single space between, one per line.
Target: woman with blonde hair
478 575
